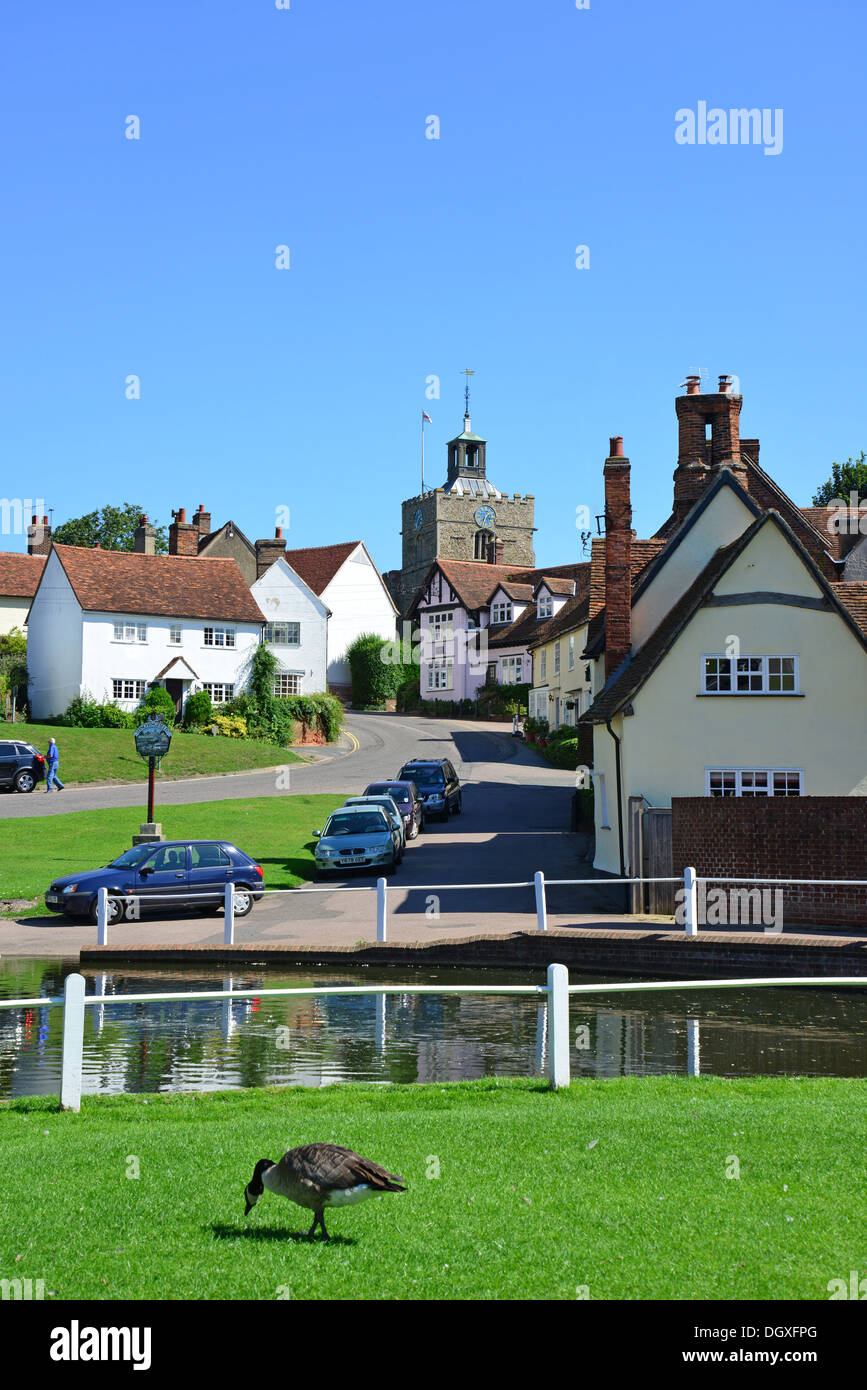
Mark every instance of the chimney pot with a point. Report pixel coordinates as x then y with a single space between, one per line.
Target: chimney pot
693 386
278 533
182 516
33 520
616 447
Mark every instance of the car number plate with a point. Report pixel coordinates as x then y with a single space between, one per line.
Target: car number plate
53 898
351 858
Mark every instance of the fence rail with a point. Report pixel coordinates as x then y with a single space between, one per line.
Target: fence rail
556 992
689 888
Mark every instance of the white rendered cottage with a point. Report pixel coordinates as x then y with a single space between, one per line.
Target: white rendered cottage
296 629
112 623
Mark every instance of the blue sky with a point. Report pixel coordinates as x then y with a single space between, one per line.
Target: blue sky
409 257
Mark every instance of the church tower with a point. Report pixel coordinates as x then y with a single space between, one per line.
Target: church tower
468 518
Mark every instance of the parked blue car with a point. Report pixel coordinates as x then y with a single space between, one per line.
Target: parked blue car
173 874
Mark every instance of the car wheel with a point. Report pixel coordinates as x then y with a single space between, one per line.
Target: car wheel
458 807
112 915
243 900
25 781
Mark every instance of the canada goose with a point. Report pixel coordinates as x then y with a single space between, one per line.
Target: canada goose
318 1176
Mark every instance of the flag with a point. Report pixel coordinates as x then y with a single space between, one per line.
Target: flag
425 416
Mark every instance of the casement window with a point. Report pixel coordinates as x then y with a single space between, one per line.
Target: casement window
219 692
283 634
543 665
511 668
571 651
722 781
440 626
439 675
501 612
287 683
123 689
175 634
130 632
750 675
545 607
556 658
219 637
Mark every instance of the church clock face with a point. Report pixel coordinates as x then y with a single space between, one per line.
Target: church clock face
417 519
484 517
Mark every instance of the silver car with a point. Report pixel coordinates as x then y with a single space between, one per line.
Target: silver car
389 805
357 837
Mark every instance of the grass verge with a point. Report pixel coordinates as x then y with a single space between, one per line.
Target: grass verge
108 755
619 1187
274 830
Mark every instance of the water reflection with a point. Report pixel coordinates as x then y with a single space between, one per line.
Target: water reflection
198 1045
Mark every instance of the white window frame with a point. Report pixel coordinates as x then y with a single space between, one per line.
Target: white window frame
441 626
737 775
175 635
129 631
511 670
273 640
760 668
545 606
543 664
556 658
138 688
571 651
440 675
219 636
287 677
226 689
501 612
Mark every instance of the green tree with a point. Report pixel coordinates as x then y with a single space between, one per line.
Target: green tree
847 477
13 643
113 527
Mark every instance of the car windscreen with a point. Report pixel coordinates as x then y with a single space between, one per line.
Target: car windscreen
359 823
132 857
399 794
428 776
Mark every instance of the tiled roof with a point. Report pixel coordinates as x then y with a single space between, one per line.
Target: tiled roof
853 596
19 574
838 542
528 630
318 564
176 586
642 552
474 581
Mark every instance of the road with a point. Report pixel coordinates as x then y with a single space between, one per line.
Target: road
515 820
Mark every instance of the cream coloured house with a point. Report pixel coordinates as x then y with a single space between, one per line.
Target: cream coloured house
734 662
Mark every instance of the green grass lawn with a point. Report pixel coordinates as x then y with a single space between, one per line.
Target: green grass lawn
108 755
274 830
615 1186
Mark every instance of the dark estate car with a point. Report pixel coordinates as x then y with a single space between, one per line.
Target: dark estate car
182 873
407 799
438 784
21 765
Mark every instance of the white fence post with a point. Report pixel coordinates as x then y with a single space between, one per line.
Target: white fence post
73 1041
102 917
541 904
558 1026
381 908
229 915
693 1047
690 886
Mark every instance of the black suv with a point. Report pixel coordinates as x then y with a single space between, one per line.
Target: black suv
438 785
21 765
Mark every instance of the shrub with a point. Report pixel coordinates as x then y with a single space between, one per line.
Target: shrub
83 712
198 710
231 725
379 668
409 694
563 752
156 701
113 717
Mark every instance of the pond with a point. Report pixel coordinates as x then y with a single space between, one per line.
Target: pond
313 1041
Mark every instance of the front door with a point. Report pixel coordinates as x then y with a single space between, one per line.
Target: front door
176 690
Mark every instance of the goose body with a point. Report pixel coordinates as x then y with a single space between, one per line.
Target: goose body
317 1176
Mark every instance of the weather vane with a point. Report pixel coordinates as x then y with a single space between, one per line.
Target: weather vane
467 373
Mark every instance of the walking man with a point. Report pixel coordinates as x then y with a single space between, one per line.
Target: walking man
53 761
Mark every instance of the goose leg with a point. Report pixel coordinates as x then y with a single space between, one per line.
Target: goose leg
311 1233
325 1235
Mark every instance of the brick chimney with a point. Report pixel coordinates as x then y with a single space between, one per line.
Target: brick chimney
268 551
183 535
145 537
618 558
202 520
38 536
708 438
495 552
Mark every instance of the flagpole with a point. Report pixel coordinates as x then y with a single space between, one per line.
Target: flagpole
422 451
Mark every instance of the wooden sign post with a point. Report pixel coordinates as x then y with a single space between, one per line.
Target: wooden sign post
152 741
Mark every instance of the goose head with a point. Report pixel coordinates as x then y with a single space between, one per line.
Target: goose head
254 1189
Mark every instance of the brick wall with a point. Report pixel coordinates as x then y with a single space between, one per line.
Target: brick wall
783 837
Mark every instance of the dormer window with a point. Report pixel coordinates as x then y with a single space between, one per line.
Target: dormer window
501 612
545 606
